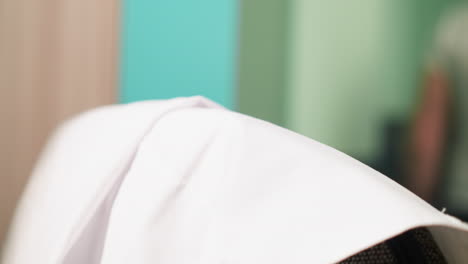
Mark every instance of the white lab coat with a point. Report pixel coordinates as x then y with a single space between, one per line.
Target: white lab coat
185 181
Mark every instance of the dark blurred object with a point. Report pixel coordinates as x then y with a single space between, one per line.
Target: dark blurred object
438 148
413 246
389 161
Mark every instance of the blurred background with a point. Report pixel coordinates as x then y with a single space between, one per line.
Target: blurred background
383 81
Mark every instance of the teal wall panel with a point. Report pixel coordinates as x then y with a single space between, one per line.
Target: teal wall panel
178 48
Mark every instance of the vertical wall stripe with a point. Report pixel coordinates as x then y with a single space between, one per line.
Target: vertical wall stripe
343 78
174 48
263 39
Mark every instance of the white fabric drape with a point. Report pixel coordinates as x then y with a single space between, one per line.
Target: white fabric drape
186 181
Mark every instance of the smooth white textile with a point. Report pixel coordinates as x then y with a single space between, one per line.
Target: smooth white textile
185 181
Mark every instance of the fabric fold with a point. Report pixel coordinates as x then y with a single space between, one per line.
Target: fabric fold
186 181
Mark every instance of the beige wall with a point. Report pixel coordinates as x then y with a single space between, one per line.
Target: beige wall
57 58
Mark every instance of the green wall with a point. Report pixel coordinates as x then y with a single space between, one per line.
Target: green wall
354 67
336 71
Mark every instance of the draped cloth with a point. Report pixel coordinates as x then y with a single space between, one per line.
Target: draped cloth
187 181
